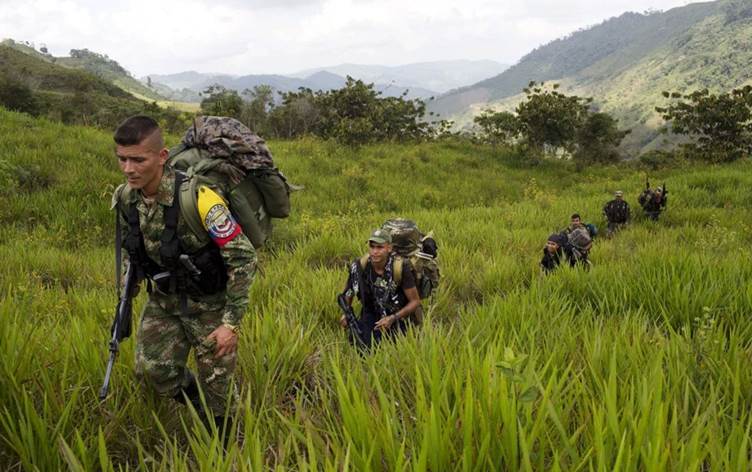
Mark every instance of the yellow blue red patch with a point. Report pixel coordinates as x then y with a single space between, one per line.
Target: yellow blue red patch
217 219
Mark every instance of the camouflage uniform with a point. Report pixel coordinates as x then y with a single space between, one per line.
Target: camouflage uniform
167 332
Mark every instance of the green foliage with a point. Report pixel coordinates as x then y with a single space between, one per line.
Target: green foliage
17 96
355 114
550 118
598 138
72 96
737 10
497 127
719 124
625 63
639 364
220 101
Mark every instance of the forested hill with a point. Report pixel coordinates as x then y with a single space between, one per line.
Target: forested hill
40 87
97 64
626 62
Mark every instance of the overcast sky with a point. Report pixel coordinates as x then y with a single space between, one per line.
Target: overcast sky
284 36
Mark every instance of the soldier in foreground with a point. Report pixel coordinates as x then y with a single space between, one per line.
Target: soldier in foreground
617 213
385 285
553 252
198 293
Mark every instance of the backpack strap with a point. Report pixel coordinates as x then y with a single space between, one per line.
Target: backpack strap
399 262
189 209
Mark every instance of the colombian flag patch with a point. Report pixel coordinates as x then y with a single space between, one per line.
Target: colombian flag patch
217 219
221 225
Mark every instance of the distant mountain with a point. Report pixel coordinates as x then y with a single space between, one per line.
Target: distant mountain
197 82
626 62
98 64
440 76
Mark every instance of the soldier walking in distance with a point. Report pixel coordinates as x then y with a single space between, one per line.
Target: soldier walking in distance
617 213
198 292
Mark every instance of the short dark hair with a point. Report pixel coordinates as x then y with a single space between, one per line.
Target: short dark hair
575 215
134 130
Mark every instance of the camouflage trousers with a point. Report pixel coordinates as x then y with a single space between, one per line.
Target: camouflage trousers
164 340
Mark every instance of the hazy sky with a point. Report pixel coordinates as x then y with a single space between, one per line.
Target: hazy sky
284 36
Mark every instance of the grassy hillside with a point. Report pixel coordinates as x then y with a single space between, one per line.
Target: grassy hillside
40 87
97 64
640 364
625 63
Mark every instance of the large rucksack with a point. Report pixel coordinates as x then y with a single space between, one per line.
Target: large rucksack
222 153
420 249
580 238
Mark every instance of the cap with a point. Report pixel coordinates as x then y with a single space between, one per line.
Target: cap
380 236
619 193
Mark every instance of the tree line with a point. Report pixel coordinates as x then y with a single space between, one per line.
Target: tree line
547 122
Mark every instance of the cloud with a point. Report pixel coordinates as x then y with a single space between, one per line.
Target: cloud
257 36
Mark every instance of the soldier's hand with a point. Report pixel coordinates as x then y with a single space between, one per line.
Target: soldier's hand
226 341
343 321
385 322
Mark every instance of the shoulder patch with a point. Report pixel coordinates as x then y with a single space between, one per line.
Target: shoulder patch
216 217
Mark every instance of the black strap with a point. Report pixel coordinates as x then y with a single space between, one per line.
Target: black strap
118 248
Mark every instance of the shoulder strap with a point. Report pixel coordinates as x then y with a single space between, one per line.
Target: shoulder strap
397 269
169 249
188 196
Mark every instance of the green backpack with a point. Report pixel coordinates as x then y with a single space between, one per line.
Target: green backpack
408 242
222 153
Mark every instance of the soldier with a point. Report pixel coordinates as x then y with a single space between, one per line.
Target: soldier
197 294
654 202
617 213
553 252
575 221
385 285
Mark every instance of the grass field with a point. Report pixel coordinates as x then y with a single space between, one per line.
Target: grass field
640 364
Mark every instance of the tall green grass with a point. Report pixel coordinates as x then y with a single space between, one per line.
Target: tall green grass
640 364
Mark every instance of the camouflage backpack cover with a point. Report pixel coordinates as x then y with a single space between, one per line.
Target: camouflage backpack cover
408 241
222 153
580 238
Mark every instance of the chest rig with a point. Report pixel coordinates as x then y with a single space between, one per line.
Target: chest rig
196 274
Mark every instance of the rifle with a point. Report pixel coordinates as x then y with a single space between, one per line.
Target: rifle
356 334
665 192
121 326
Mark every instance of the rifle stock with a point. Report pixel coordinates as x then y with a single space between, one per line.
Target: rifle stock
121 326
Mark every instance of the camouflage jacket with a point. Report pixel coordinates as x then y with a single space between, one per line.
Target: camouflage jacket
238 253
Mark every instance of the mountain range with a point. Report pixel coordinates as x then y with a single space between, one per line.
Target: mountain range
625 63
420 80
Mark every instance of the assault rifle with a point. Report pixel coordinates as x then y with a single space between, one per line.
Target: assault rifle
121 326
356 334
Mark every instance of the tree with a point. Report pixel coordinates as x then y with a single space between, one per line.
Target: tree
497 127
737 10
255 113
550 118
598 139
17 96
719 125
221 101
